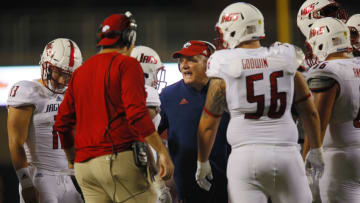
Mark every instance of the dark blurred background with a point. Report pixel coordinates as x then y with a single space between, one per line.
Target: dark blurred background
164 25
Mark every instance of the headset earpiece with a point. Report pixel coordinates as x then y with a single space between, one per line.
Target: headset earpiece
128 36
210 47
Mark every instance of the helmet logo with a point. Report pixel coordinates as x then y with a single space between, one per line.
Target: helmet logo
105 28
308 9
49 49
187 45
229 17
316 31
147 59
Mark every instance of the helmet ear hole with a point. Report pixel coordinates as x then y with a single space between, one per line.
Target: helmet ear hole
232 34
320 47
242 16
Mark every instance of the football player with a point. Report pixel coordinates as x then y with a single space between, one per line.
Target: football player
152 67
334 81
354 25
311 10
259 86
36 154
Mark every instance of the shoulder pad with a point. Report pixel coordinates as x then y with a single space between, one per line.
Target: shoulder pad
284 48
214 64
287 51
23 93
224 63
321 83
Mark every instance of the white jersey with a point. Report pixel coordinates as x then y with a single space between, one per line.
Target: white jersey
344 124
259 93
153 100
42 149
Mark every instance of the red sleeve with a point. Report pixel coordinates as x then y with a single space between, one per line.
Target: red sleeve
134 98
65 119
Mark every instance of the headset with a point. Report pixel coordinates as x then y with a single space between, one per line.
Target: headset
128 35
210 47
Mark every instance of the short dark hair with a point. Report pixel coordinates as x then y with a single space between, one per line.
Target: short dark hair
118 44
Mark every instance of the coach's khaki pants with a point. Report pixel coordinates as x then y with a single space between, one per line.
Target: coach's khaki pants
97 183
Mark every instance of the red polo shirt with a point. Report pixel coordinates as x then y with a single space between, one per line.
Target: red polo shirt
86 106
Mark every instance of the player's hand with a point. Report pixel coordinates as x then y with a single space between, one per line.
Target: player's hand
203 175
30 195
314 163
314 186
166 166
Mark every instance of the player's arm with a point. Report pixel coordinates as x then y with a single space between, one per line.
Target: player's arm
18 124
324 90
210 118
165 164
307 111
209 123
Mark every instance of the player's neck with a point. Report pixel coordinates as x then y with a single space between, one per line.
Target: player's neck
40 81
249 44
338 55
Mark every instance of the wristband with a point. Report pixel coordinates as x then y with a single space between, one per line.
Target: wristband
317 150
211 114
23 175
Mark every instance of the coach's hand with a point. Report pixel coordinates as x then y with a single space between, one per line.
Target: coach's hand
314 163
203 175
166 166
30 195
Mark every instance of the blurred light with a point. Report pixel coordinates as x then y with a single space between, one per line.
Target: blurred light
12 74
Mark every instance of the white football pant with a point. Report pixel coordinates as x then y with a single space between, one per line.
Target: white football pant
257 171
